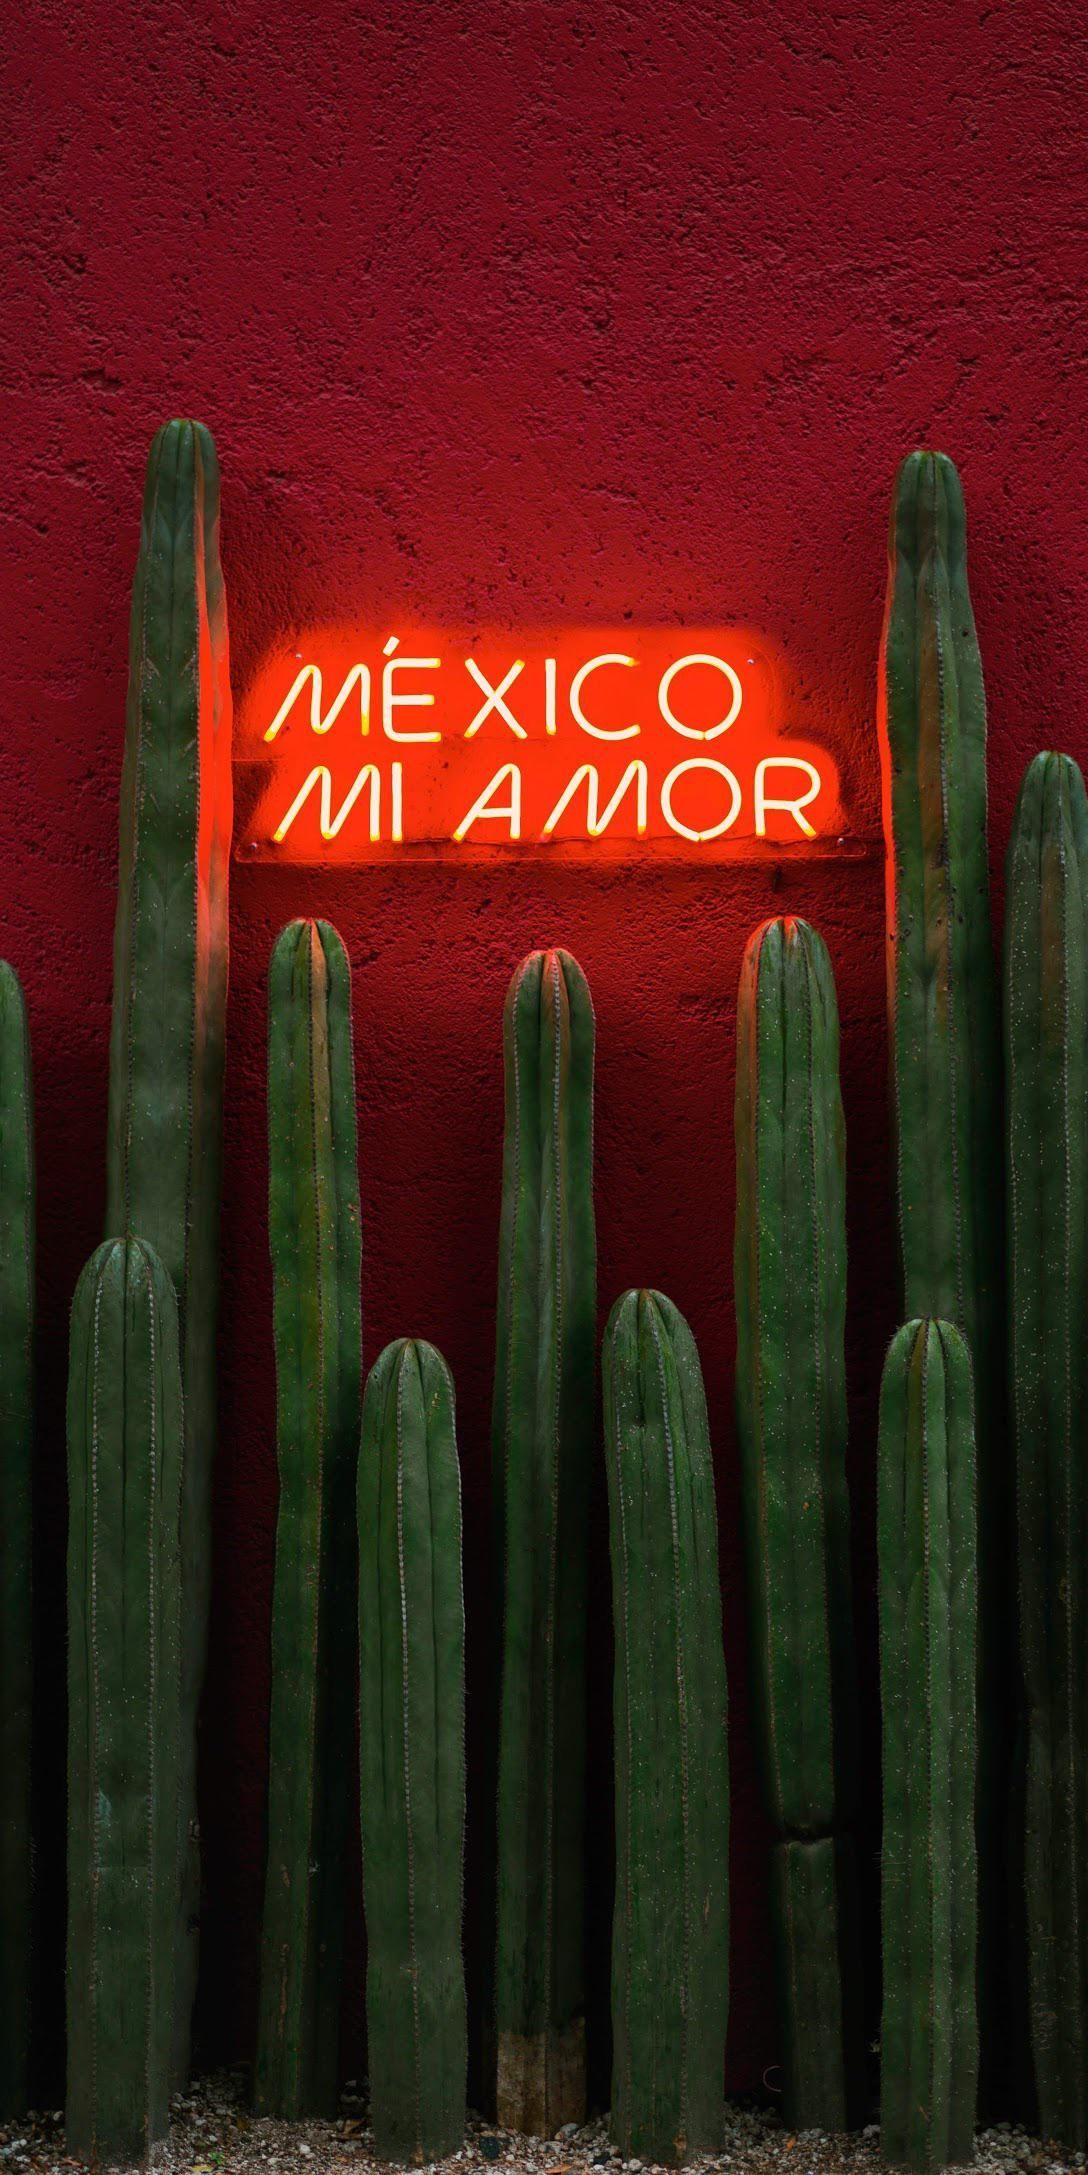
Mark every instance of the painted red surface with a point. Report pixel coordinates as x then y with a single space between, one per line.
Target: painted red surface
513 312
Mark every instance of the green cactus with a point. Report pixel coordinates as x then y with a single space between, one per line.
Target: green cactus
542 1446
16 1476
412 1754
942 978
125 1458
313 1216
670 1941
1046 1038
926 1553
946 1074
815 1925
169 1003
790 1280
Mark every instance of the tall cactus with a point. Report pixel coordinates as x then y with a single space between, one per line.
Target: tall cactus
790 1280
946 1043
926 1551
670 1942
542 1445
313 1214
16 1477
942 980
125 1456
1046 1037
169 1005
412 1751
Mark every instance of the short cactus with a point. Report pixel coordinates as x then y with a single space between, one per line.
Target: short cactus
1046 1042
929 2041
169 1006
125 1454
315 1239
670 1943
412 1749
542 1437
17 1226
790 1280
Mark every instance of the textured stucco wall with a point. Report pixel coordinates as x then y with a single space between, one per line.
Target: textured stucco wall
519 311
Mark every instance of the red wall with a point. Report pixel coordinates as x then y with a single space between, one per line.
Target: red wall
528 312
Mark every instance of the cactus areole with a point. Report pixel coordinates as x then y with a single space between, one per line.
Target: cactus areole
363 746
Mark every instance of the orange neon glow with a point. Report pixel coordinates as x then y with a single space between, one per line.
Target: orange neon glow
356 746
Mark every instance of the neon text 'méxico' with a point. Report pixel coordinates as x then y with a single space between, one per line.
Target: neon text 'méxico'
609 736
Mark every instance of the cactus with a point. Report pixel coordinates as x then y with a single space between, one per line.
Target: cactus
926 1554
16 1462
946 1043
412 1754
169 1002
942 982
670 1942
815 1925
1046 1035
790 1279
125 1458
542 1438
313 1216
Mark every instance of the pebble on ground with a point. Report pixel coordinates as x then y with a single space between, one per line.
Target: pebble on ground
212 2133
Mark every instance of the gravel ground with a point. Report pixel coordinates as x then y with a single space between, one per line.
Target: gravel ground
211 2133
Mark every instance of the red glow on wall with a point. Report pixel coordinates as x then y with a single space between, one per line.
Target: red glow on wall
358 746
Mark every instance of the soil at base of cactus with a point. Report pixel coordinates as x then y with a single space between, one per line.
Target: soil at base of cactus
213 2133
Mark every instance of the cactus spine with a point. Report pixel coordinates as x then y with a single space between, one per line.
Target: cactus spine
926 1555
670 1943
315 1240
412 1748
16 1477
125 1454
169 1004
790 1278
1046 1036
542 1437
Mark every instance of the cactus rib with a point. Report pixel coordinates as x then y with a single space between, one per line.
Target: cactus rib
926 1554
314 1229
542 1435
169 1004
670 1961
790 1278
125 1454
1046 1035
17 1234
412 1753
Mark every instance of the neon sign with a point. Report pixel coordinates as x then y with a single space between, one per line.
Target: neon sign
606 741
